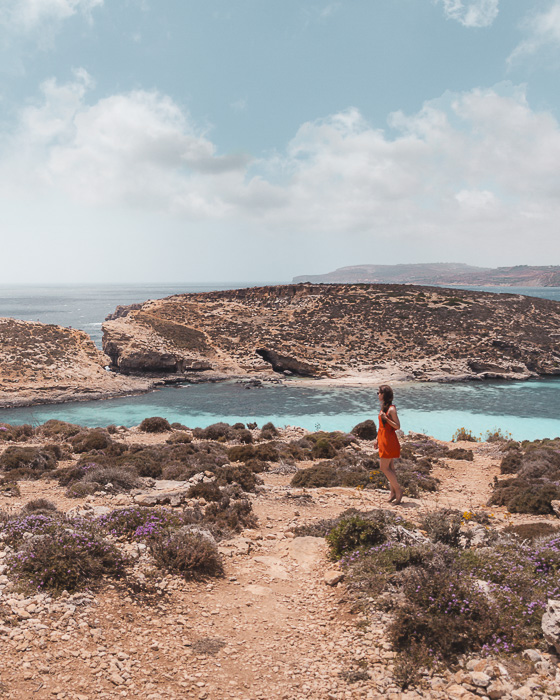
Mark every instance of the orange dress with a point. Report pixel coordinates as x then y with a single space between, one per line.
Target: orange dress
387 440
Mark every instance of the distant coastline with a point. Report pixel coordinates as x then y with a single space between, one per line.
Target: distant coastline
448 274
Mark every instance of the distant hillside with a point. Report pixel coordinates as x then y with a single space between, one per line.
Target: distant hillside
442 273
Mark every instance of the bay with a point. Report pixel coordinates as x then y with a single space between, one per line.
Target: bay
527 410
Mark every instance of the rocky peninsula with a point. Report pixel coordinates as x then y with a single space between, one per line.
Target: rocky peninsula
339 333
44 363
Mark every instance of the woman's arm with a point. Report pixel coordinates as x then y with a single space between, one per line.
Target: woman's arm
392 418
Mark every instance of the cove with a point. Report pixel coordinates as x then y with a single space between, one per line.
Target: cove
528 410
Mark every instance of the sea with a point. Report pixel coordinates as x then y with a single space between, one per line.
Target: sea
525 410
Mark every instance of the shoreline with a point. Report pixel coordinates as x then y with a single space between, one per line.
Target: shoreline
356 380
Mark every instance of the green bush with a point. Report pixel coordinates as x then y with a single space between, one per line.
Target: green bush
323 449
354 533
186 553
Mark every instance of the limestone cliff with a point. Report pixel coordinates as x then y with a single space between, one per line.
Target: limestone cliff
400 331
42 363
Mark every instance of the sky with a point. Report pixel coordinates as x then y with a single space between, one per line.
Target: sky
255 140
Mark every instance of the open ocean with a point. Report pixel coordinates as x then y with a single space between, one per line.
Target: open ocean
527 410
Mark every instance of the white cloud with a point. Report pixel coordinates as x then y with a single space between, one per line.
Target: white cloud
543 29
475 173
471 13
25 15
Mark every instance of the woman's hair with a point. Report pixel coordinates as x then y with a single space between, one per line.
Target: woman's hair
387 395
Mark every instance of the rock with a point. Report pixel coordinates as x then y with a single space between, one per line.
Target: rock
480 679
498 689
533 655
556 507
116 679
551 624
146 499
333 577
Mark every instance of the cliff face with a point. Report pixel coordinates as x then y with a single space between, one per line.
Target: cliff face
442 273
46 363
334 330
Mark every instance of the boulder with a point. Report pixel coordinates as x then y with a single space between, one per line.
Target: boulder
551 624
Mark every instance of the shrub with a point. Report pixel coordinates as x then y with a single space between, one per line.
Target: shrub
367 430
444 614
39 504
179 438
15 433
511 463
256 465
216 431
267 452
241 453
497 435
90 440
121 478
65 560
463 435
323 449
241 475
209 491
31 459
461 453
80 489
156 424
443 526
326 475
268 431
186 553
524 496
531 531
354 533
244 436
230 515
58 429
138 522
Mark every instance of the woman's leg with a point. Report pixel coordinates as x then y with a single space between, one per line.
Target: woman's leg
386 466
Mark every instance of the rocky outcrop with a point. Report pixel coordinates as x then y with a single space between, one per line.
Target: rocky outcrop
42 363
400 331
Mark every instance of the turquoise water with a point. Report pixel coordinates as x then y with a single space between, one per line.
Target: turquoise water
527 410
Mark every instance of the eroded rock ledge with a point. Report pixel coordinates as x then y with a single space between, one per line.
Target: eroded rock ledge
44 363
339 330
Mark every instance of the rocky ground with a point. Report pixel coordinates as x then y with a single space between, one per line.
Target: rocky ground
278 624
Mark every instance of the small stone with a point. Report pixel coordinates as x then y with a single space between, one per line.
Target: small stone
333 577
480 679
533 655
116 679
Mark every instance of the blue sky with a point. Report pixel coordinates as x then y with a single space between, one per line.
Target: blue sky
145 141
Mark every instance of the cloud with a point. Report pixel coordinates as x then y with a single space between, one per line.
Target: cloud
25 15
543 29
469 175
471 13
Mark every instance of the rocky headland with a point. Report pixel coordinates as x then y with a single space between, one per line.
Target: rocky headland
44 363
341 333
442 273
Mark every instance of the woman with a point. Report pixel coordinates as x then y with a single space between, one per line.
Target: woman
387 441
